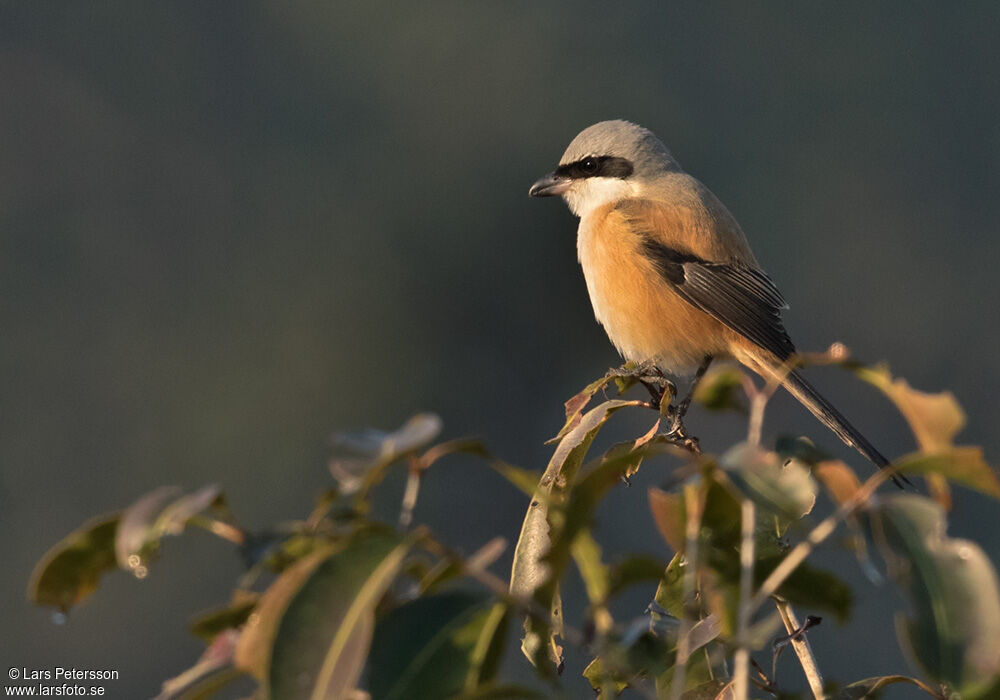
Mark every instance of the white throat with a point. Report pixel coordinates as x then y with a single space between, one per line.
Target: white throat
586 195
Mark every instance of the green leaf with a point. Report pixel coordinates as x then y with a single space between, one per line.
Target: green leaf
719 551
698 672
535 572
800 448
633 569
311 633
587 555
811 587
670 591
963 465
709 691
955 594
784 489
213 671
70 571
164 511
721 389
605 683
437 646
209 624
253 653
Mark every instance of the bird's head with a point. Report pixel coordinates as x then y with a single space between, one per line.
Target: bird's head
606 162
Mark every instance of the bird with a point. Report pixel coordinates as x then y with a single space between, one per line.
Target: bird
670 273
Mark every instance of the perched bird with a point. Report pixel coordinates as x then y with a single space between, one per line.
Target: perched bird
670 274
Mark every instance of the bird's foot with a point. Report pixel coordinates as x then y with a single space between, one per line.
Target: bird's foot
650 376
678 434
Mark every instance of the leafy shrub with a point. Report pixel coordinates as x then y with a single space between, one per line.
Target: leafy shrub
325 598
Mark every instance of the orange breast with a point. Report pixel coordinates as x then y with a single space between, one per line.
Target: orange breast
643 316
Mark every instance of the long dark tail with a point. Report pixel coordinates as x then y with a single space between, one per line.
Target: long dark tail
832 418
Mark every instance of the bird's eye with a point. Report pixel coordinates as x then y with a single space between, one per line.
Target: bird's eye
589 166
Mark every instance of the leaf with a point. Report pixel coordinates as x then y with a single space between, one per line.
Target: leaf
524 480
870 687
324 634
70 571
372 452
935 419
719 552
721 389
670 591
632 570
213 671
380 445
954 591
534 573
163 511
800 448
784 489
839 479
575 405
437 646
668 513
209 624
137 522
587 554
604 682
963 465
698 673
253 653
311 633
706 691
811 587
467 446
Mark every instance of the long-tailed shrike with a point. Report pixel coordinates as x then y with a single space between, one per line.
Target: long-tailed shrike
671 276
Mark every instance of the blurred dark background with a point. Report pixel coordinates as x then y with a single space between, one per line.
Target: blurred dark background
228 229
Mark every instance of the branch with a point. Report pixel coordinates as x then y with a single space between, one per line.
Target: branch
693 503
800 643
741 659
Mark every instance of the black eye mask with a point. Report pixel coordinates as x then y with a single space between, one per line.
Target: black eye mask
596 166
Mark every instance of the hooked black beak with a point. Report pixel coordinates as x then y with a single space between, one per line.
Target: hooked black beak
550 186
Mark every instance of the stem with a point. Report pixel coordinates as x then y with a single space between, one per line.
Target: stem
409 499
218 528
693 506
800 643
741 660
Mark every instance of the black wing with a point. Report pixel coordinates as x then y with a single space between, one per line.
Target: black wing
743 298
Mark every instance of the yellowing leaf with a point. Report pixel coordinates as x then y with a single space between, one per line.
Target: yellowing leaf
935 419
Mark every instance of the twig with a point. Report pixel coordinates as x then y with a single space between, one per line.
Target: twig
226 531
742 657
410 496
693 505
800 643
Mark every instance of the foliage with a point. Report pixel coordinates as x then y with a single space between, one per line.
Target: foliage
339 605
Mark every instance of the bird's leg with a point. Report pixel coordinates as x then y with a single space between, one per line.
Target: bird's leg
650 376
678 412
